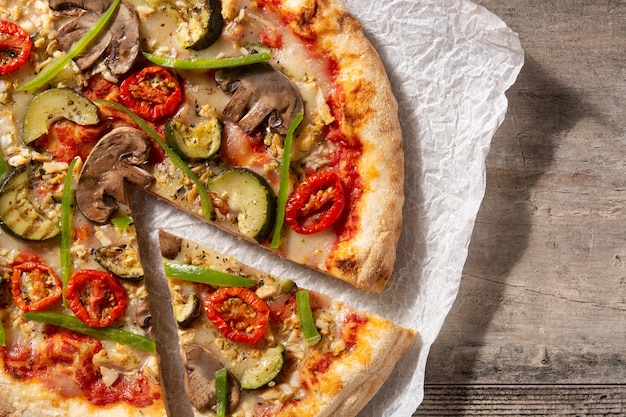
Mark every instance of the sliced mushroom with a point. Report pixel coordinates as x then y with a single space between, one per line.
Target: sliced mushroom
116 158
201 366
118 46
76 29
70 6
143 317
259 94
170 244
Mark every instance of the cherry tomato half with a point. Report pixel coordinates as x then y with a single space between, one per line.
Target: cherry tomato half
153 93
238 313
15 47
316 203
35 286
96 297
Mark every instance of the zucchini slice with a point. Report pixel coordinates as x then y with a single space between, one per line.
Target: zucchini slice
265 369
187 310
120 260
248 197
17 212
195 143
54 104
199 22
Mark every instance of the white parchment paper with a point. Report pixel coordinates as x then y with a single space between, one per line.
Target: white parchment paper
450 63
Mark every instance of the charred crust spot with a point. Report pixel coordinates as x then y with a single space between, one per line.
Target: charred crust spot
347 266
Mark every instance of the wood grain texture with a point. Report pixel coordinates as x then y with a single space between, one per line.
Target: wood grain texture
541 310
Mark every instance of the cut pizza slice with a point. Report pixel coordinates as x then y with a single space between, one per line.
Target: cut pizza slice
76 343
282 350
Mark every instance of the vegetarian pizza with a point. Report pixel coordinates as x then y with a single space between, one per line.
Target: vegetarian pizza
273 120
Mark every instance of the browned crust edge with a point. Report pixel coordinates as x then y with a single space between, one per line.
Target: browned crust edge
352 381
367 259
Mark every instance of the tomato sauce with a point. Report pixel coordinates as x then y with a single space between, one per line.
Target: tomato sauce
63 362
351 329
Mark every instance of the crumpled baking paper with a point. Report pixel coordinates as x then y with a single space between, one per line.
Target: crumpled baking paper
450 63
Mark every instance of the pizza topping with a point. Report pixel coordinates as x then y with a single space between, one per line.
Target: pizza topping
35 286
55 104
238 313
283 188
207 276
120 260
18 213
193 143
200 21
265 369
118 46
305 314
116 158
205 202
204 63
316 203
186 310
67 233
152 93
143 316
260 94
169 244
248 199
96 297
57 65
15 47
221 392
201 366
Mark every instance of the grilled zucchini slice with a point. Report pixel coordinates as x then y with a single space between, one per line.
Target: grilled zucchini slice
18 214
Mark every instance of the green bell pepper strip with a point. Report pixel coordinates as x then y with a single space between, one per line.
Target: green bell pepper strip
122 222
283 188
201 63
3 165
66 228
221 392
57 65
205 276
3 341
113 334
207 207
307 323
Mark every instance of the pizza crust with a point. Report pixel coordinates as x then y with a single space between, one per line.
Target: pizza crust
351 381
365 260
29 398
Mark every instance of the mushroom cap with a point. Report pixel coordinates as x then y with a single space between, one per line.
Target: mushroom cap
74 30
170 244
260 93
119 44
201 366
113 160
70 6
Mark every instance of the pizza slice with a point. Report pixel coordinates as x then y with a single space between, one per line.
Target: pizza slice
76 344
282 350
195 102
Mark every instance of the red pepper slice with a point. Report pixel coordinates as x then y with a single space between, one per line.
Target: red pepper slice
15 47
316 203
35 286
96 297
238 313
152 93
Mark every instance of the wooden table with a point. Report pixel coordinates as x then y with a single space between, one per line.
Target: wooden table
539 325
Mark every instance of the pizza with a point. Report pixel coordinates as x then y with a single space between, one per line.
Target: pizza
222 123
271 119
280 361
